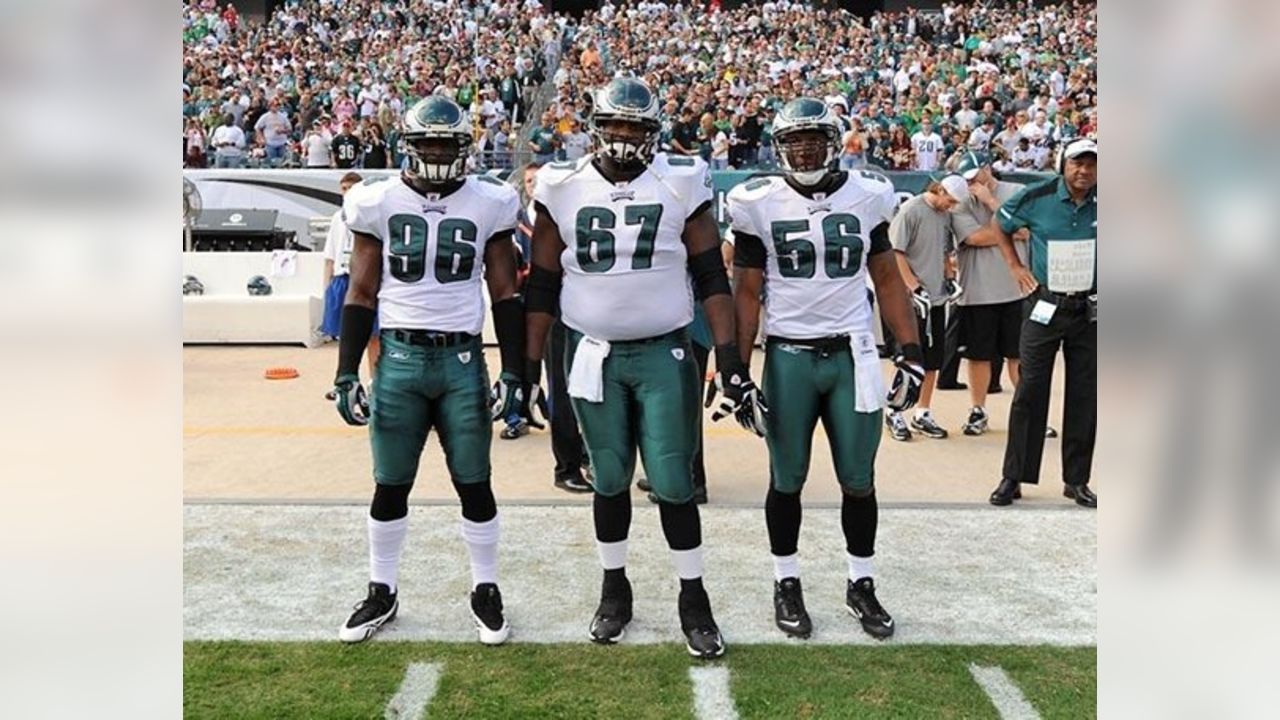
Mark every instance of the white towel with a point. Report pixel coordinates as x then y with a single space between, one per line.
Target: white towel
586 377
284 263
866 372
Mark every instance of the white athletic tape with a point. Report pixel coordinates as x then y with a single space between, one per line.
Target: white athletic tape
415 693
1010 703
711 697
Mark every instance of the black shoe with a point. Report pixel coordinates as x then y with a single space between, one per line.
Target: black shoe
860 600
977 422
643 484
994 389
609 625
1049 432
701 635
573 483
699 496
897 426
376 610
1083 496
486 610
1006 492
926 425
788 608
952 386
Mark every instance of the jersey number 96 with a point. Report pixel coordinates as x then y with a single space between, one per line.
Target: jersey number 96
455 249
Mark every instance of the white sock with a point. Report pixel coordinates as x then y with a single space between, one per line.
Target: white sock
785 566
859 567
386 540
613 555
688 563
922 412
482 546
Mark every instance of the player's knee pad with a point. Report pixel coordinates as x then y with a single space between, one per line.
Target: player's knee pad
477 500
681 524
390 502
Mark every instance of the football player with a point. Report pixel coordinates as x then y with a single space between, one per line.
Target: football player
423 243
806 241
624 241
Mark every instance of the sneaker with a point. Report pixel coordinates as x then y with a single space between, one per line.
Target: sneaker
573 483
515 430
609 625
897 426
1049 432
701 635
486 611
376 610
788 608
925 424
977 422
860 600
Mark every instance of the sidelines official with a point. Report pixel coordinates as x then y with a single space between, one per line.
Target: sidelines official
1062 217
337 273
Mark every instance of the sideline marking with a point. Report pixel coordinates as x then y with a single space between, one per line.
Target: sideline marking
1010 703
711 697
415 693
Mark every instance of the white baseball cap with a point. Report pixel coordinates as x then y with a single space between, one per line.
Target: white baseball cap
1080 146
956 187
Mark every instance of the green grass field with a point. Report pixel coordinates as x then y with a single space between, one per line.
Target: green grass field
330 680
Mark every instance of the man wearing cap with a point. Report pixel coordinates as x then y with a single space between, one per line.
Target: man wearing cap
991 306
921 236
1061 216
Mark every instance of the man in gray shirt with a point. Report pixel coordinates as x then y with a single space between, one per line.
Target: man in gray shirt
991 306
921 236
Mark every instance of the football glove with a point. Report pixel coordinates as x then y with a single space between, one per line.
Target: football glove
741 398
905 391
533 407
506 396
351 399
921 302
952 290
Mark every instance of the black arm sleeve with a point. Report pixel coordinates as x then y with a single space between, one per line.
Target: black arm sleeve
357 326
542 290
508 323
709 277
748 251
880 239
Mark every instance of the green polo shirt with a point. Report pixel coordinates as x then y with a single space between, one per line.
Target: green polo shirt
1047 210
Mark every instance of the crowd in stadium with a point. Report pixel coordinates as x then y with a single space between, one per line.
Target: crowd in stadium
324 84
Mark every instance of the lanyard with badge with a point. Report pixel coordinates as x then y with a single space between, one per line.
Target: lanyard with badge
1070 266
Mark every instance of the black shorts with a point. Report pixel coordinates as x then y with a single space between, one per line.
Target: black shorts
990 332
934 351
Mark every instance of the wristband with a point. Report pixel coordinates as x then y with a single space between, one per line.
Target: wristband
912 353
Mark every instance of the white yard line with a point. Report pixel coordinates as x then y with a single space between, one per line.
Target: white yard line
949 576
1010 703
711 697
416 690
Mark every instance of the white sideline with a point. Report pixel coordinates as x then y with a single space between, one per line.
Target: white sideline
949 576
711 697
1010 703
415 693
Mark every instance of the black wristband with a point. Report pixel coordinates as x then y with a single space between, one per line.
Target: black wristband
532 371
508 325
728 359
354 331
913 353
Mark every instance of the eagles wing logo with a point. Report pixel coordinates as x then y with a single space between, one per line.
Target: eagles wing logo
427 209
823 207
622 195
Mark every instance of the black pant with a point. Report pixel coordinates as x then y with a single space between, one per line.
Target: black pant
1071 329
566 441
701 354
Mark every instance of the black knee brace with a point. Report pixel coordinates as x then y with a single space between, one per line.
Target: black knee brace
390 502
612 516
681 525
478 504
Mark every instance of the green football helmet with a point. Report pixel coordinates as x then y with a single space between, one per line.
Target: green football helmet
806 139
437 138
624 101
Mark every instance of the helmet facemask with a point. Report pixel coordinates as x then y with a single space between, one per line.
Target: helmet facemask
627 142
437 158
807 153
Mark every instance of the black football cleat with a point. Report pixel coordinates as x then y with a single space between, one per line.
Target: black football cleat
702 636
609 625
376 610
788 608
486 611
860 600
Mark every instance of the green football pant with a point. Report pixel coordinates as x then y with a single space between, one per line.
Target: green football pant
417 389
651 403
803 385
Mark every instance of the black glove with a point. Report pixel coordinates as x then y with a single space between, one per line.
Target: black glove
742 398
907 380
351 399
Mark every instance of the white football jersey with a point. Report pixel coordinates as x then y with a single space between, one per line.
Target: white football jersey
432 248
816 251
625 265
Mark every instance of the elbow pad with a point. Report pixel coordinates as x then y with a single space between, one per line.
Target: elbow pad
709 277
542 291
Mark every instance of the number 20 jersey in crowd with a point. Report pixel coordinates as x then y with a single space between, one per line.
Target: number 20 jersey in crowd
625 265
815 250
432 248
